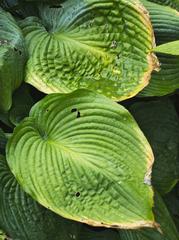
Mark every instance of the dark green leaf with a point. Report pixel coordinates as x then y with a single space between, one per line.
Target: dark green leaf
169 231
160 124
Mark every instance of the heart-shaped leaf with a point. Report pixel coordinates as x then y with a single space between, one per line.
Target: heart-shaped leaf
24 219
12 59
160 123
84 157
100 45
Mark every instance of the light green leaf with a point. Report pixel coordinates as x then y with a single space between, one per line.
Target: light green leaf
84 157
104 46
165 21
171 48
169 231
24 219
12 59
160 124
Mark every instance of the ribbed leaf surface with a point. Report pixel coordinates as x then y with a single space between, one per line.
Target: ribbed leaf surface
24 219
172 3
160 124
165 21
100 45
12 59
84 157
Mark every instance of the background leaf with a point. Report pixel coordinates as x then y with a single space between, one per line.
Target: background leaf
160 124
163 218
165 22
22 103
172 3
12 59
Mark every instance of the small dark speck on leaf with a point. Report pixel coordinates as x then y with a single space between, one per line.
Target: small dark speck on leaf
78 115
78 112
78 194
74 110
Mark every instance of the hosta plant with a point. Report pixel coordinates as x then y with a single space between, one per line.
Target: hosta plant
89 141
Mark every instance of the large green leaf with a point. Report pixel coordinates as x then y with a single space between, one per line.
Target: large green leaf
169 231
165 21
160 124
100 45
24 219
12 59
84 157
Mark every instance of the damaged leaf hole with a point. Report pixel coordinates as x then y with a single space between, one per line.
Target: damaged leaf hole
78 194
77 111
19 51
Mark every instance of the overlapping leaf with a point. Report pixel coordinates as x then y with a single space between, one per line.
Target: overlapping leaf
171 48
24 219
165 21
169 231
84 157
12 59
100 45
160 124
